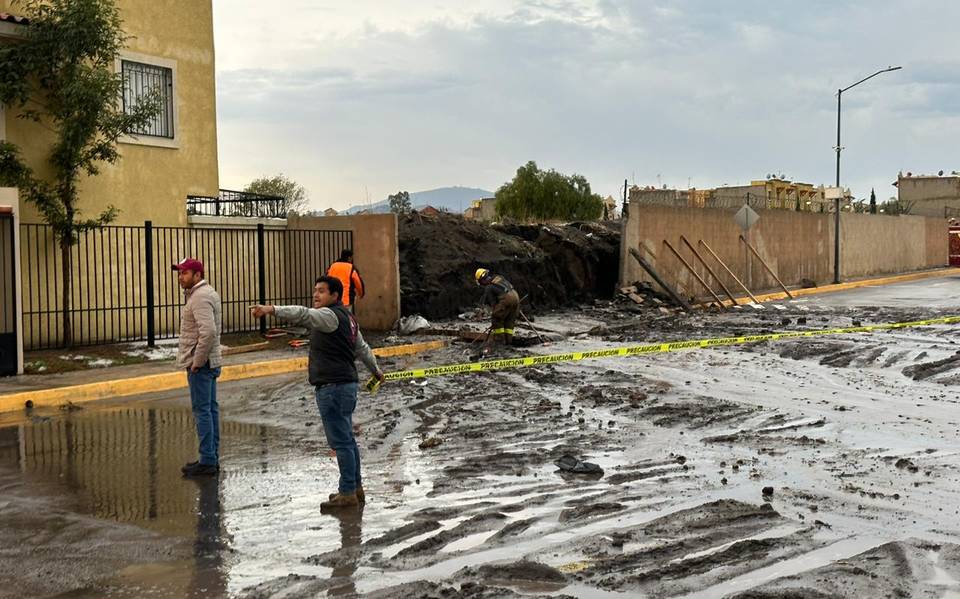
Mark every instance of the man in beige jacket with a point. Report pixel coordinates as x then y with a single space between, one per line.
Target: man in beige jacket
199 354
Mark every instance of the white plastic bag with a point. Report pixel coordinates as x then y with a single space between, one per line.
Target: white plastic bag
411 324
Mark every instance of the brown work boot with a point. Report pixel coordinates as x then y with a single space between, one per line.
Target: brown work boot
340 501
361 497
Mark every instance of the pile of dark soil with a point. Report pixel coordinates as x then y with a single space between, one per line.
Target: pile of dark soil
552 265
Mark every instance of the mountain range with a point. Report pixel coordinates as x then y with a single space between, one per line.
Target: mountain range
454 199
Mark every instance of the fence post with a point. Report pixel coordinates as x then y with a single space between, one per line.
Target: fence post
148 251
262 274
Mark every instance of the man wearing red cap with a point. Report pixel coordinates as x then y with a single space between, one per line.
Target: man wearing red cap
199 354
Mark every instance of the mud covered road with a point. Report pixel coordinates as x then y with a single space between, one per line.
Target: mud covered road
808 468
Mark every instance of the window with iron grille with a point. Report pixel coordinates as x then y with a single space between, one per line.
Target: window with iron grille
139 81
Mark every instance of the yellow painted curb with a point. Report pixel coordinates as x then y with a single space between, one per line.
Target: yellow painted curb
406 350
917 276
154 383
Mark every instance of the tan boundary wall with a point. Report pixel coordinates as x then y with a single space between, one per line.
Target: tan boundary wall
796 245
376 255
875 244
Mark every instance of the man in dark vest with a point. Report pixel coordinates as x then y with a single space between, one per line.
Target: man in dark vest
335 341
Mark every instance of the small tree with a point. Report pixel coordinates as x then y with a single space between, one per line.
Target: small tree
61 76
895 207
547 195
281 186
400 203
873 202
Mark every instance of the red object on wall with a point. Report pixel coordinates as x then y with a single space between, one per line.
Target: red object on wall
955 245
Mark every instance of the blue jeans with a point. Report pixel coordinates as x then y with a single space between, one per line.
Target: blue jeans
206 412
336 403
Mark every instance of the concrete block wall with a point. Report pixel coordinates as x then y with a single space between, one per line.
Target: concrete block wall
796 245
376 255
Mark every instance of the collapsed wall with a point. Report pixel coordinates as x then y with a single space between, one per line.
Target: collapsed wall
552 265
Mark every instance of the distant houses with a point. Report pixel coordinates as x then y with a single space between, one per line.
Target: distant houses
484 209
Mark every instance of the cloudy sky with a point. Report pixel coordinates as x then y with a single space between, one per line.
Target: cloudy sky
373 96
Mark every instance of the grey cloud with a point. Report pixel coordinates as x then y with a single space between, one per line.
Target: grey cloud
608 90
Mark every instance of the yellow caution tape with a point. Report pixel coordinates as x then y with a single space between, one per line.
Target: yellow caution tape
650 348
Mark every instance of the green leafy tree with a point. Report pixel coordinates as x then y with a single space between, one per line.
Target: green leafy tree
61 76
536 195
873 202
400 203
895 207
283 187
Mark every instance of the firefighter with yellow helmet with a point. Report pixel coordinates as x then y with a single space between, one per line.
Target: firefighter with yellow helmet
500 294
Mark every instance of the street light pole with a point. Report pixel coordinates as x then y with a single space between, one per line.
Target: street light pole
836 204
836 201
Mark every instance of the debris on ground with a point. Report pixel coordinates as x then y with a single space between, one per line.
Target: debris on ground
645 294
430 442
227 350
550 265
569 463
408 325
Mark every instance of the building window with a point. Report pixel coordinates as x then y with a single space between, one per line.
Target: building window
140 80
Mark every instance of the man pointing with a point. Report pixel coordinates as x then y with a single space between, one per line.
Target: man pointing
335 341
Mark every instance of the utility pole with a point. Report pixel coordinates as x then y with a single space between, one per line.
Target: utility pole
623 212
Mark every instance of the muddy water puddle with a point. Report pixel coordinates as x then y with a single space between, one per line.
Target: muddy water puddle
123 466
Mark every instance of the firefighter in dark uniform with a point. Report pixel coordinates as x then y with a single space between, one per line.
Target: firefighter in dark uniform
500 294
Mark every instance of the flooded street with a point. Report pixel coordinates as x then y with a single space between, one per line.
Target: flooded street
817 467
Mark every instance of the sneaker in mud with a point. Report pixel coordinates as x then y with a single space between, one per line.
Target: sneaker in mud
361 496
339 501
198 469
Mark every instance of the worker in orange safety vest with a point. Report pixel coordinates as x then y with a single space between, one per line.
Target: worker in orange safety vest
344 270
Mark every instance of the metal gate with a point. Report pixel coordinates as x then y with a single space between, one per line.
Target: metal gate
122 289
9 358
955 245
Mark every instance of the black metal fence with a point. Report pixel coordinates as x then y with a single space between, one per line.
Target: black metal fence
238 203
122 287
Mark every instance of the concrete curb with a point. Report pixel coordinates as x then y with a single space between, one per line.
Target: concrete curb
917 276
177 380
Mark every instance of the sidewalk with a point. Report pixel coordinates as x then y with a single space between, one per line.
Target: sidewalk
34 382
834 288
136 379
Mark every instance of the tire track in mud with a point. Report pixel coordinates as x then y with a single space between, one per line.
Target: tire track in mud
679 509
925 370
